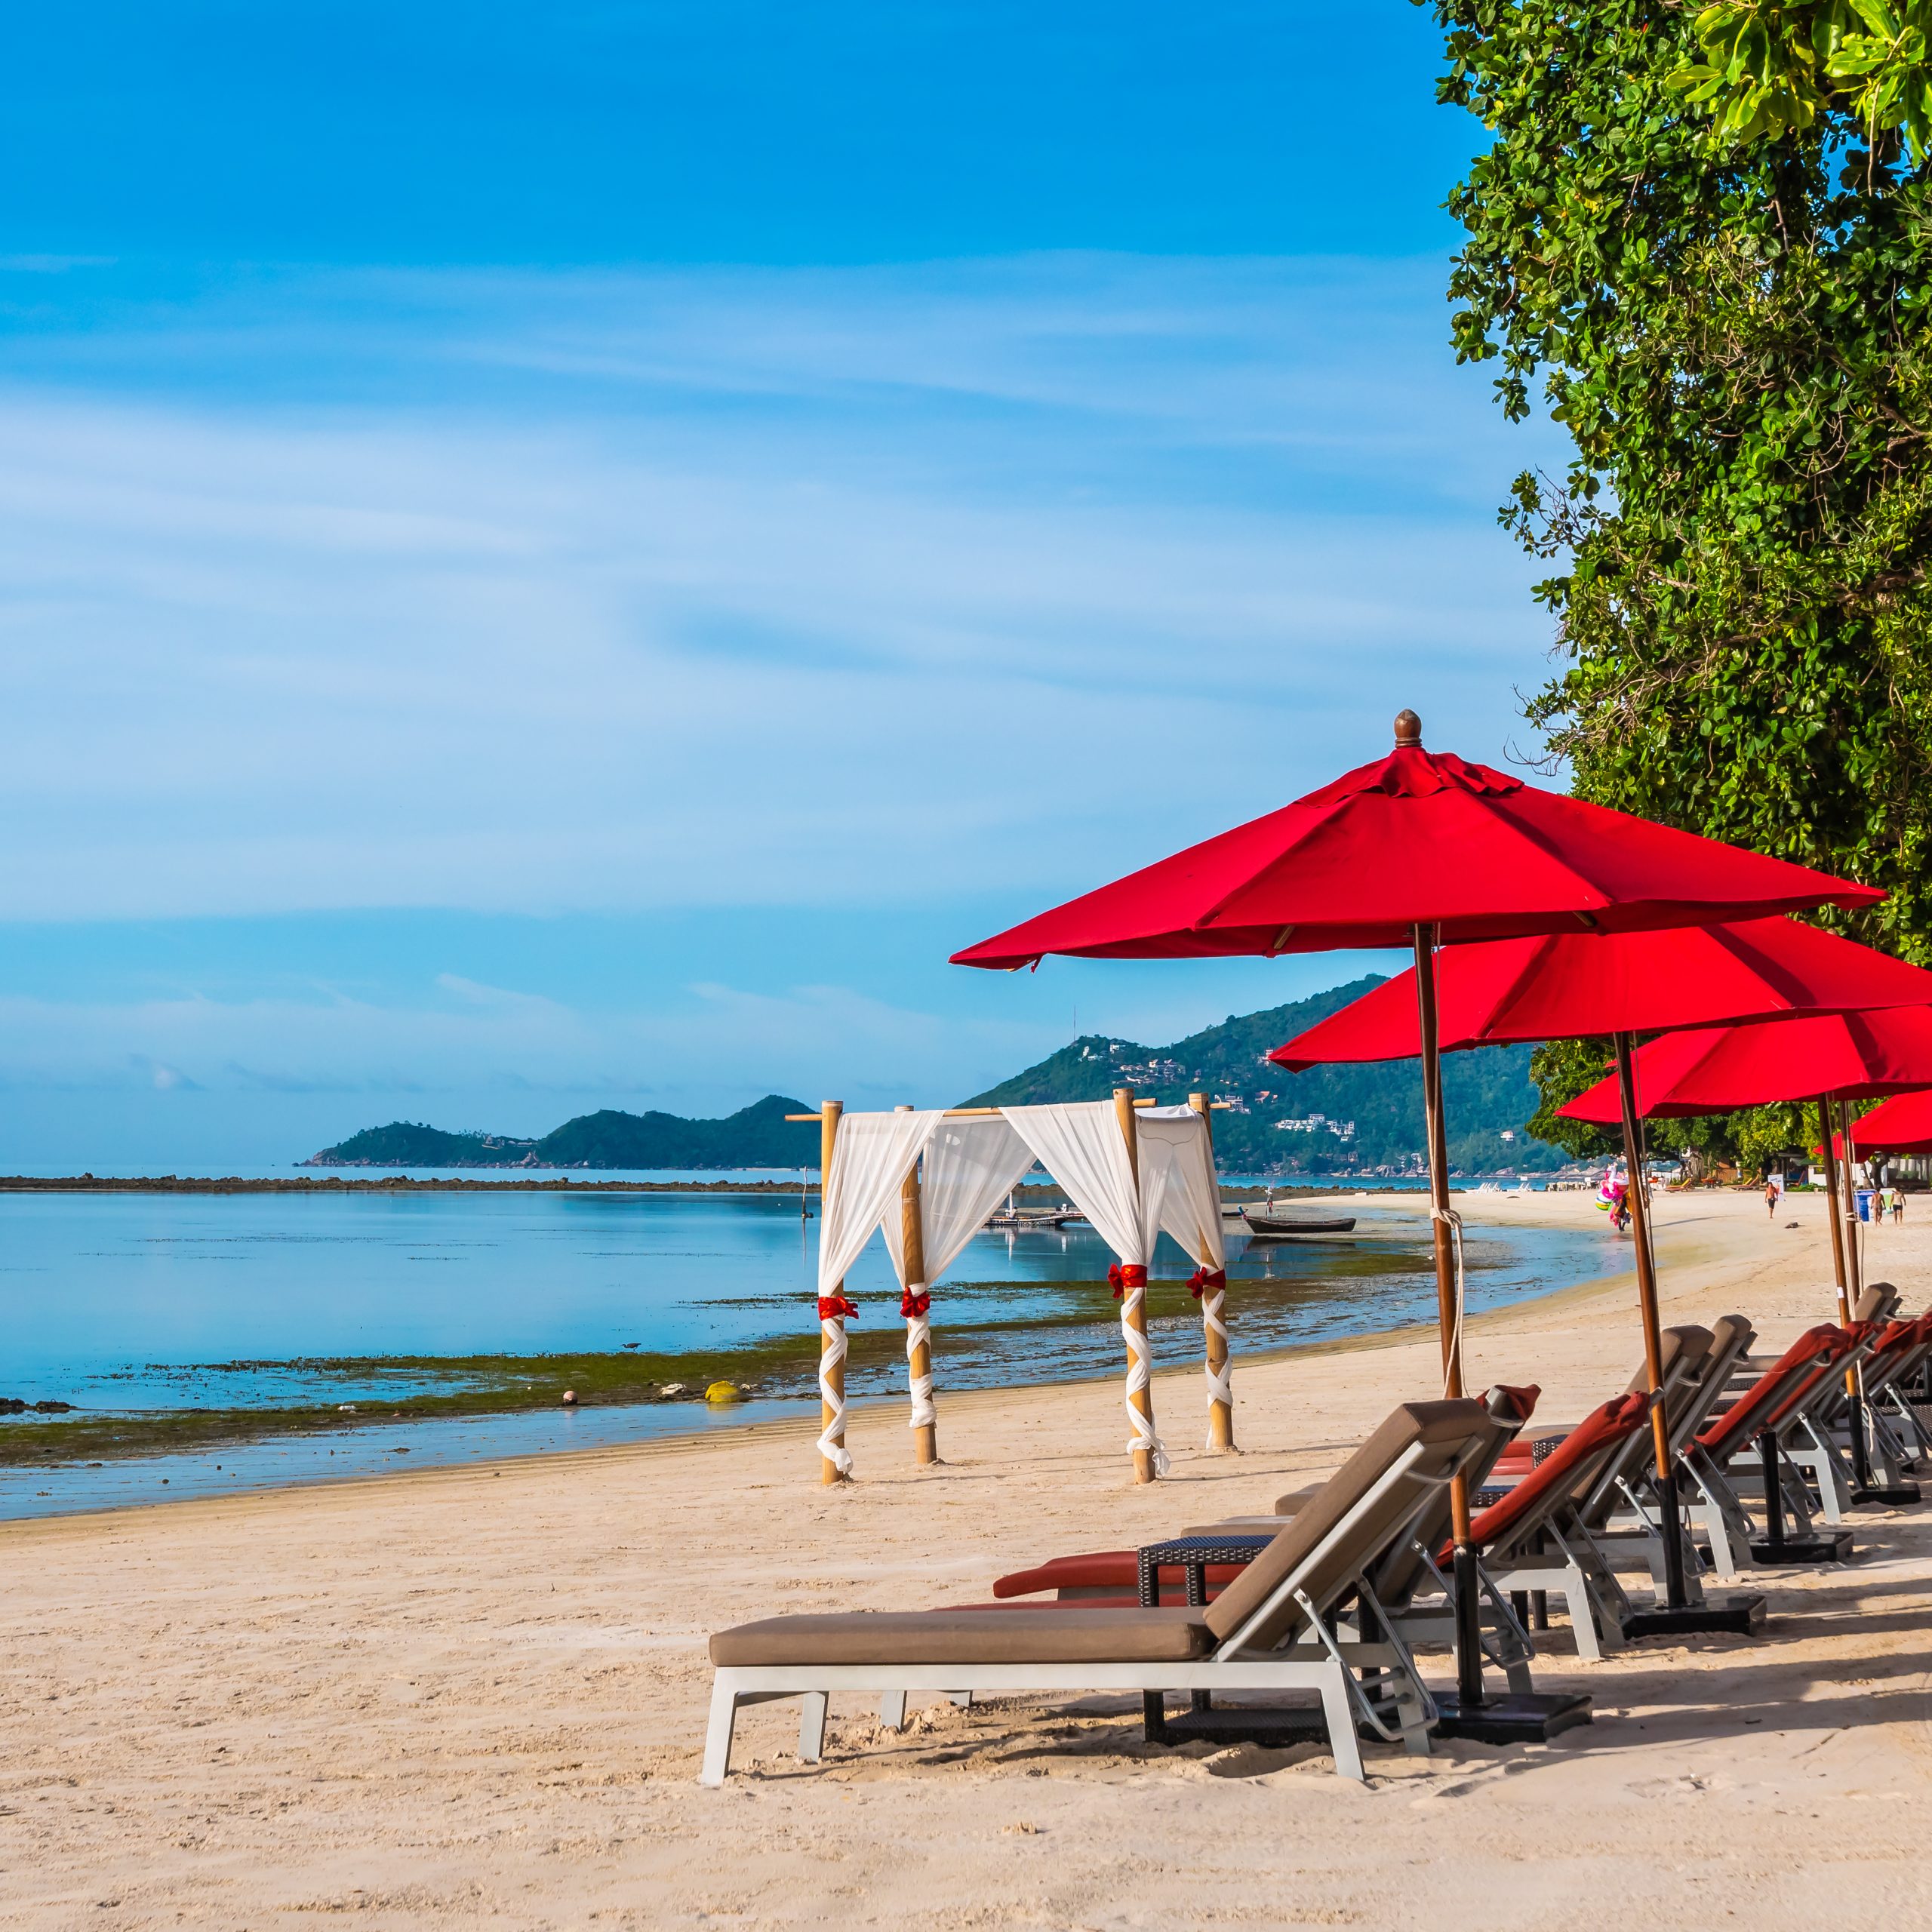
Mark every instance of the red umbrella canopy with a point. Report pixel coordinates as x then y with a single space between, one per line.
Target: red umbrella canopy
1902 1125
1564 984
1418 837
1841 1056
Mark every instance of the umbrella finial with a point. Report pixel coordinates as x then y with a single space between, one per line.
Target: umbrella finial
1408 728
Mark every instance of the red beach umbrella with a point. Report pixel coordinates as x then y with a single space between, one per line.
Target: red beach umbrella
1835 1057
1567 986
1420 849
1900 1125
1562 985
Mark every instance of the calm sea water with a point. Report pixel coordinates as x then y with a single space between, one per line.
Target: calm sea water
141 1302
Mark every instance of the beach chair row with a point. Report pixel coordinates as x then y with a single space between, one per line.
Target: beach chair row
1348 1580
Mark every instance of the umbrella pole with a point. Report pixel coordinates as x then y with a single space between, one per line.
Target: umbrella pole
1828 1154
1449 1321
1677 1615
1133 1313
1670 1521
1851 1292
1220 1414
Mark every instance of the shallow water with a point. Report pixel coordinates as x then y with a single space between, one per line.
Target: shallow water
140 1302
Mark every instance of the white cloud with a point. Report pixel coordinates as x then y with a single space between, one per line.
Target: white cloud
731 587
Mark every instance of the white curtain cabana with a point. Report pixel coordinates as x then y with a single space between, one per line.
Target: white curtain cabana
1176 1142
1083 1147
970 1162
871 1158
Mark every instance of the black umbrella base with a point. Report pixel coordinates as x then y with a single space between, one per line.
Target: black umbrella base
1277 1730
1511 1719
1738 1616
1882 1492
1833 1547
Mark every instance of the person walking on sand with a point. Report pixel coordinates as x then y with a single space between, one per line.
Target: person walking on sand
1898 1205
1771 1198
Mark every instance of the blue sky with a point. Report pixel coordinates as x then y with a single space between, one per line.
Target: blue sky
563 556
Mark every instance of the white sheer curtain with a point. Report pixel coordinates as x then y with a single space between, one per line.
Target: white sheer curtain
970 1163
871 1156
1176 1142
1080 1145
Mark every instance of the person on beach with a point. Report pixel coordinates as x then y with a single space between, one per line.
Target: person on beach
1898 1206
1771 1198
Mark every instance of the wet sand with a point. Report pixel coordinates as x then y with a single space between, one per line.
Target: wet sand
475 1697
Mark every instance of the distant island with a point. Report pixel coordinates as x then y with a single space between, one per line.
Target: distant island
756 1137
1338 1120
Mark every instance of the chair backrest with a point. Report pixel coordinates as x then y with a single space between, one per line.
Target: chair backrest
1569 1471
1400 1574
1822 1389
1729 1433
1731 1336
1681 1353
1900 1349
1368 1502
1879 1301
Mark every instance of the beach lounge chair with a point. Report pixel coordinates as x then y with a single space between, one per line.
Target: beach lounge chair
1718 1458
1273 1629
1537 1536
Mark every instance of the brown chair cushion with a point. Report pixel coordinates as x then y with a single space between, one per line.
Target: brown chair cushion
1448 1426
1067 1634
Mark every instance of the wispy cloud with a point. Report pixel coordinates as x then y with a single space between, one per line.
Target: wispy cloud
727 587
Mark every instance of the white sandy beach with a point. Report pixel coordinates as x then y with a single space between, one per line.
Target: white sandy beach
476 1696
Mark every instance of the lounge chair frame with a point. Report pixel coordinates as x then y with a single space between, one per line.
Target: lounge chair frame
1312 1657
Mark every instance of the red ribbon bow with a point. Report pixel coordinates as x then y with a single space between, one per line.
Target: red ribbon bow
1203 1279
910 1304
1121 1279
831 1306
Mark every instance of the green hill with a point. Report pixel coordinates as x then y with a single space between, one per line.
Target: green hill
1487 1094
756 1137
1330 1120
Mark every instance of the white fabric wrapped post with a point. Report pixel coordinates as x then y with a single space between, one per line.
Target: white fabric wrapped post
1085 1147
866 1157
1181 1141
969 1164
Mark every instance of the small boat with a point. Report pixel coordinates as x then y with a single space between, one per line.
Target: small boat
1264 1221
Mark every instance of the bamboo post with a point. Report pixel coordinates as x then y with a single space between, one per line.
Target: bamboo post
832 1373
1220 1414
919 1355
1135 1316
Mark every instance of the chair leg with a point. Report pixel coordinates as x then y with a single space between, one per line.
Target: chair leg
1339 1715
811 1726
892 1710
1583 1614
964 1699
717 1735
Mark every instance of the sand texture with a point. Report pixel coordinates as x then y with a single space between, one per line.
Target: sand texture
476 1697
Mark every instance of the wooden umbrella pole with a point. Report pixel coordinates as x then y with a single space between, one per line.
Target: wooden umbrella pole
1449 1318
1826 1126
1646 1275
919 1355
1134 1314
831 1364
1854 1270
1220 1414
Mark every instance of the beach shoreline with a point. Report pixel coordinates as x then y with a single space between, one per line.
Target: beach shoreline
476 1695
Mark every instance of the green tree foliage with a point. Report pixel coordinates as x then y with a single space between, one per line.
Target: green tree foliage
1706 236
